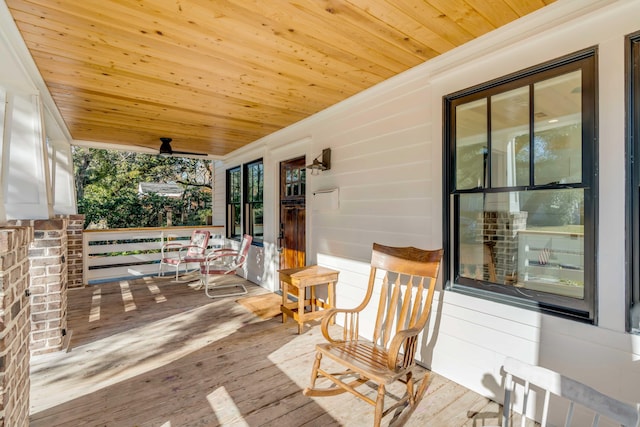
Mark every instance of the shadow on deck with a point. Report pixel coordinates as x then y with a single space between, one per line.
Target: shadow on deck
149 352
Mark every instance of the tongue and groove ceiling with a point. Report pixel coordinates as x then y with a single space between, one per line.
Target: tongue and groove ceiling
217 75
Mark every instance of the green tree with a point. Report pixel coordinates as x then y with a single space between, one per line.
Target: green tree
107 188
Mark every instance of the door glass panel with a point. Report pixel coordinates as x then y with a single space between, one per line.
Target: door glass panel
510 138
557 144
471 145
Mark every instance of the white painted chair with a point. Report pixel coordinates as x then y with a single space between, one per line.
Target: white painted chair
526 378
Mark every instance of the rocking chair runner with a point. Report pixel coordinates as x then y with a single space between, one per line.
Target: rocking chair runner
403 311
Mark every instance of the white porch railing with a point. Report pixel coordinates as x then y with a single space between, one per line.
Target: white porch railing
133 252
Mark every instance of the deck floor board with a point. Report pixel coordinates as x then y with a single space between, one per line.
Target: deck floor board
151 352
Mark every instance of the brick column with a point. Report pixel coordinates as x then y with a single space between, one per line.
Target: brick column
500 231
14 325
48 283
75 248
48 258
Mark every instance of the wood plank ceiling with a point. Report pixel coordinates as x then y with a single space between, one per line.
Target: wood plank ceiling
217 75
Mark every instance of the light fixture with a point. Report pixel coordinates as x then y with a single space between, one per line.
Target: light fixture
321 165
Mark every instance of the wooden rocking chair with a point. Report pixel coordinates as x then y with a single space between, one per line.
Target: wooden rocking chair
402 313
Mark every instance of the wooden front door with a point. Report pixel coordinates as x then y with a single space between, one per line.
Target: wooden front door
291 240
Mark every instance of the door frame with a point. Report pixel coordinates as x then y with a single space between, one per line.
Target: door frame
287 151
297 201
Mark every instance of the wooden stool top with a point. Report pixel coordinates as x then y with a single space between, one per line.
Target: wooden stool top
308 276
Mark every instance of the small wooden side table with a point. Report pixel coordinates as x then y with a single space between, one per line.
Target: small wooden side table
300 279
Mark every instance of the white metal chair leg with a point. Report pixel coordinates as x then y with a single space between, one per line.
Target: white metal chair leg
230 285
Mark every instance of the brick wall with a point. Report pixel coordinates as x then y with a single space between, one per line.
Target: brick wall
48 258
14 325
75 255
48 283
500 231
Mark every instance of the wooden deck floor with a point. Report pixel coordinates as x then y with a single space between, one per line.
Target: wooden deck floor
151 352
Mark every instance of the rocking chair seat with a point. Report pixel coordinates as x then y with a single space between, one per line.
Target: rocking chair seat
185 260
363 357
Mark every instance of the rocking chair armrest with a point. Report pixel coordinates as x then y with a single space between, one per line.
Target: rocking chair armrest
169 245
328 319
220 253
406 339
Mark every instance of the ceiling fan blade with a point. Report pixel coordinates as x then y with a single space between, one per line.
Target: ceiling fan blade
190 153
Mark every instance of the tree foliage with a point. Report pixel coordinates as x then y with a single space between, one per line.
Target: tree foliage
107 183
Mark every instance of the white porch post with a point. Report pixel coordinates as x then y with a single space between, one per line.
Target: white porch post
26 179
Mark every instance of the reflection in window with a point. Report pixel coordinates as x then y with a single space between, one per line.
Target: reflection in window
521 211
471 152
539 246
558 132
510 135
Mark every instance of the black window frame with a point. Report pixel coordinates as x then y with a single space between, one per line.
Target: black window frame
578 309
252 197
632 103
233 201
241 203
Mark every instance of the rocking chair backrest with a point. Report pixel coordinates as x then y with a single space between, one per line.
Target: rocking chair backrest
409 273
243 252
199 243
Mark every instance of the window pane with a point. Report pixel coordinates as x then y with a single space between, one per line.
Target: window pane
235 220
253 200
471 144
255 182
510 138
533 240
257 223
234 194
557 146
234 186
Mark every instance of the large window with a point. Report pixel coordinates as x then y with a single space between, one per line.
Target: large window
633 180
521 164
245 188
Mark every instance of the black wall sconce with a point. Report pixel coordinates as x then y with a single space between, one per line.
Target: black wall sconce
321 165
